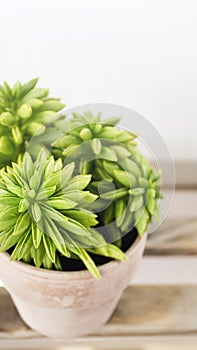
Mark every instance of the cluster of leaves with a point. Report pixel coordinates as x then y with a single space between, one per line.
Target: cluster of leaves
48 210
127 186
24 111
44 214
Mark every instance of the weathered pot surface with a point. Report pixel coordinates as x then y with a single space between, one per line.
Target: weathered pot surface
68 304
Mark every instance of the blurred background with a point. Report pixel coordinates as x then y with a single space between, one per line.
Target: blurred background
136 53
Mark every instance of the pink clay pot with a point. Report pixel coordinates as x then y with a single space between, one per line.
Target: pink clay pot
68 304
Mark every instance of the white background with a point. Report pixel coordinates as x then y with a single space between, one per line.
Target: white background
138 53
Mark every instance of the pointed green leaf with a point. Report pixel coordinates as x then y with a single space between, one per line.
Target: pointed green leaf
22 224
45 117
34 181
45 193
96 146
120 207
122 152
151 202
131 167
24 111
36 212
35 103
108 215
116 194
137 191
7 119
66 141
49 248
27 87
35 93
8 213
9 201
23 206
36 235
38 255
88 262
7 240
136 203
22 248
127 222
6 145
53 214
85 134
79 182
109 154
109 250
141 220
52 180
61 204
17 135
86 218
125 178
143 182
54 105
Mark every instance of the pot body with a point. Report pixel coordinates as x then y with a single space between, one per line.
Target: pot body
68 304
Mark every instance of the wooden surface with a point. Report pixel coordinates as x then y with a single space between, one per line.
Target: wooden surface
151 311
174 237
177 235
186 175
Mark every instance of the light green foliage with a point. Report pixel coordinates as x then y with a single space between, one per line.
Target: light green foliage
44 214
49 210
110 153
24 111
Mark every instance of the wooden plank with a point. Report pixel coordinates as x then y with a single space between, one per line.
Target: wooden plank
177 235
155 310
105 343
167 270
10 321
142 311
186 174
174 237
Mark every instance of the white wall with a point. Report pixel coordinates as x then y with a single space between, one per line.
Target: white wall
138 53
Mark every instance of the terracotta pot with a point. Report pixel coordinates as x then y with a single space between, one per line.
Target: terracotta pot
68 304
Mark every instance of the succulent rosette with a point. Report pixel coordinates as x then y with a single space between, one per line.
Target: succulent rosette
127 186
44 214
25 110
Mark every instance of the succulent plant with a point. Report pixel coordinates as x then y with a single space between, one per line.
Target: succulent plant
44 214
127 186
69 188
24 111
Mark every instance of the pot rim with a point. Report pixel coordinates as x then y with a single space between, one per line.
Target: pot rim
55 275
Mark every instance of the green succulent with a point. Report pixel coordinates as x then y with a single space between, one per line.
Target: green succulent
83 128
24 111
44 214
127 186
68 187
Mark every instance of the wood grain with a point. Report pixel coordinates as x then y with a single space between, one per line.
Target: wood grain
186 174
177 235
185 171
155 310
10 322
174 237
142 310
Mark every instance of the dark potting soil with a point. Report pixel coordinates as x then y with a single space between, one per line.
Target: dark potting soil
69 264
